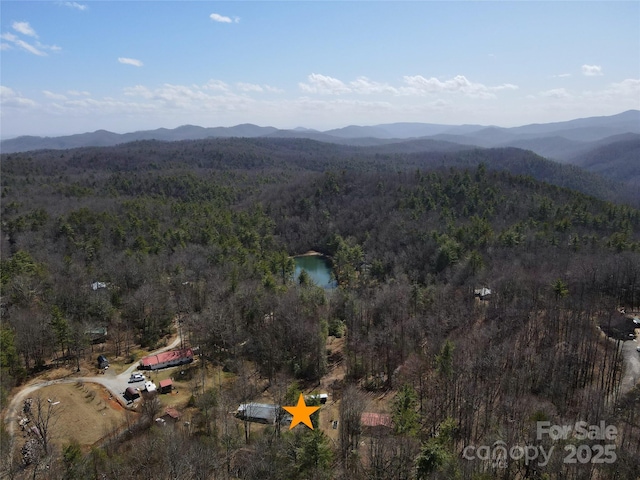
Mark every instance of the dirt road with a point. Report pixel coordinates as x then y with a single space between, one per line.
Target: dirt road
632 366
116 384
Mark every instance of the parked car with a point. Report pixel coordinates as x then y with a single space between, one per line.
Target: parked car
103 362
136 377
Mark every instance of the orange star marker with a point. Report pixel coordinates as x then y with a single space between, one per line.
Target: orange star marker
301 413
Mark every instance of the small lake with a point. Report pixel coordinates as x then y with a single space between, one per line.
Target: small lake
318 268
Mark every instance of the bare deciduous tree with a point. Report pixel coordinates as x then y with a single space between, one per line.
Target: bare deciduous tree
351 408
44 414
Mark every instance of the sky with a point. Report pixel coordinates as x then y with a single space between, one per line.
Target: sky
78 66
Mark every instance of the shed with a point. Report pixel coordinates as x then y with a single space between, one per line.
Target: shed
166 386
131 394
102 361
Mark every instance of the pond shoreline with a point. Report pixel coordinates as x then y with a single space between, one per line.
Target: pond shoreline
310 253
317 267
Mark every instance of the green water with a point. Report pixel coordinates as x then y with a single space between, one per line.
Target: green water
317 267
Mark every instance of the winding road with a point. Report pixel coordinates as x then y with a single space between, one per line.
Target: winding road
116 384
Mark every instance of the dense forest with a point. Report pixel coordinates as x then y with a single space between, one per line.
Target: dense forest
204 231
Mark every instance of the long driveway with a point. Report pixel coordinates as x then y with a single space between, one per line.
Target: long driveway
116 384
631 366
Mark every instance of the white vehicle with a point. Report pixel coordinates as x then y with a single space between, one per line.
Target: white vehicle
136 377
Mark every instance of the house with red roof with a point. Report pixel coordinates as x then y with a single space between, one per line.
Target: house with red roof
171 358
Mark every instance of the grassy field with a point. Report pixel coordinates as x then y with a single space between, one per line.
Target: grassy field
86 413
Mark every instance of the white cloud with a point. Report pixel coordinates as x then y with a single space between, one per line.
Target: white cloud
54 96
324 84
271 89
419 85
628 87
555 93
216 17
216 85
92 107
340 107
37 49
249 87
190 97
130 61
253 87
24 28
5 46
10 98
591 70
561 75
53 48
30 48
138 90
10 37
623 95
414 85
76 5
365 86
361 101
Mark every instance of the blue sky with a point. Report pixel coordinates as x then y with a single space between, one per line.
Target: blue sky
77 66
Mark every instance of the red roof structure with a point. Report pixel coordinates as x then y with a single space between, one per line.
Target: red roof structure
172 357
375 420
166 383
172 412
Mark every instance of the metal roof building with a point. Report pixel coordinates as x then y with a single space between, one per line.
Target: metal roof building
262 413
167 359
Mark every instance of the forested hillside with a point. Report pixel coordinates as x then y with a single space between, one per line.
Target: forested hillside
617 160
203 232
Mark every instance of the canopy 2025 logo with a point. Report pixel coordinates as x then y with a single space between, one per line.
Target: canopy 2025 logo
597 453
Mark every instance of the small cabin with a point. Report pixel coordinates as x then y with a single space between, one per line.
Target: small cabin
103 362
166 386
97 334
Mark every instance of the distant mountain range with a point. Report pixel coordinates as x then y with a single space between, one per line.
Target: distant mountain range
608 145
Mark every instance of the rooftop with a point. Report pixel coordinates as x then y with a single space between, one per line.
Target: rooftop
375 420
172 412
263 411
165 357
